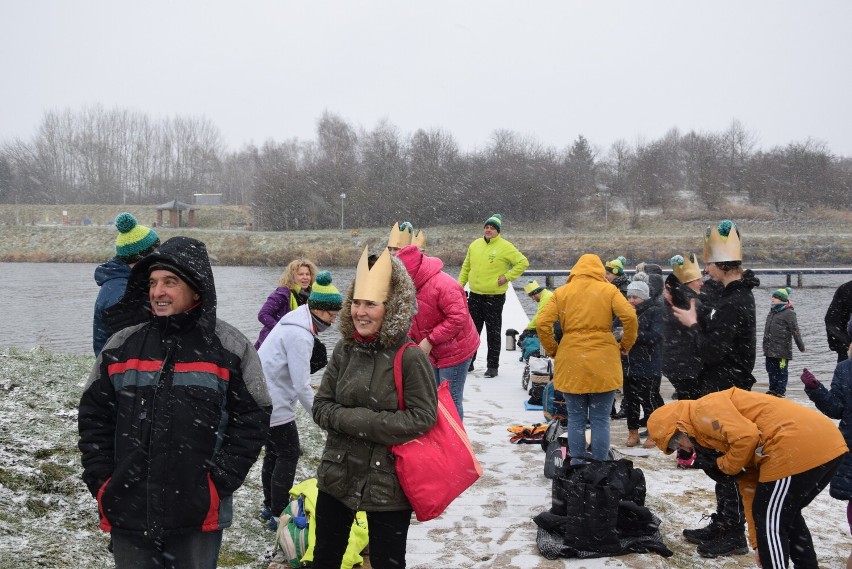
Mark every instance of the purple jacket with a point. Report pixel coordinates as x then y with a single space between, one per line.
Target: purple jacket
275 307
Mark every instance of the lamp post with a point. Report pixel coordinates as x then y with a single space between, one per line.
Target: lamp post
342 197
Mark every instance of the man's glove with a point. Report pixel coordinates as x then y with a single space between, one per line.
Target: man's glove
810 381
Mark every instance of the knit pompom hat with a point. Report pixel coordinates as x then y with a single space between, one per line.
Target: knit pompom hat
782 294
324 295
616 266
134 240
496 221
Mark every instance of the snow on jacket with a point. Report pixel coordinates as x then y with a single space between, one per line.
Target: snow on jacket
727 338
837 318
545 297
779 332
442 313
111 277
837 404
281 301
588 358
357 405
771 438
174 413
286 360
486 260
646 356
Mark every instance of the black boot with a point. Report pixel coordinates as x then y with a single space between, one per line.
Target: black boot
731 541
707 533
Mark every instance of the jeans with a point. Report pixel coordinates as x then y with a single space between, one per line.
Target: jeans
388 534
777 375
279 466
199 550
456 375
597 407
487 310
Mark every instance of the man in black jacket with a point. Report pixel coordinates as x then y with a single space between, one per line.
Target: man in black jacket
173 415
726 336
837 319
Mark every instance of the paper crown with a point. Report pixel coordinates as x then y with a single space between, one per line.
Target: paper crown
419 239
373 283
686 270
722 243
532 287
400 235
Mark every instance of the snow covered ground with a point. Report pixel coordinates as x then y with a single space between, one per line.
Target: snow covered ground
48 519
491 524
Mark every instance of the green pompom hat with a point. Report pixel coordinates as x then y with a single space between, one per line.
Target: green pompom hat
133 239
496 221
324 295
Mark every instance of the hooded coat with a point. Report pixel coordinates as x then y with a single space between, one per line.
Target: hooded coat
111 277
837 318
779 332
357 404
762 438
681 353
175 410
837 404
588 358
442 314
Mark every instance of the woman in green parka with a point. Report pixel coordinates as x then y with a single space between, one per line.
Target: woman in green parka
357 405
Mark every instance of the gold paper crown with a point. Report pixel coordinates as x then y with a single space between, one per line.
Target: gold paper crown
722 243
373 284
686 269
400 235
419 239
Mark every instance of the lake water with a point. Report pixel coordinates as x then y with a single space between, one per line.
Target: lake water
50 305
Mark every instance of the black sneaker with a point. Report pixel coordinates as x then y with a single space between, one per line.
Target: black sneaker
491 372
729 542
775 394
470 367
707 533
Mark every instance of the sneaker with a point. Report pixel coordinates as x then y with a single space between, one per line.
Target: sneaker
643 433
729 542
491 372
266 513
707 533
470 367
272 524
775 394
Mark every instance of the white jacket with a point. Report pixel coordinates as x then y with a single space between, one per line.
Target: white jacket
286 359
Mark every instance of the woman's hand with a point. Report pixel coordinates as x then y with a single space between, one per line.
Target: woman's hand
425 345
688 317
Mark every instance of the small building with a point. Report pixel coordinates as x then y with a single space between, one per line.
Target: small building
176 210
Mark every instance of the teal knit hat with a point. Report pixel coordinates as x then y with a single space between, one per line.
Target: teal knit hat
134 241
496 220
324 295
782 294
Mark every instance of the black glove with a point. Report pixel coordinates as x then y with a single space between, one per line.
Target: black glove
319 356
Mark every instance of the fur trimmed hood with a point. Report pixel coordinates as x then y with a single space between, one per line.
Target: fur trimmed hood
400 308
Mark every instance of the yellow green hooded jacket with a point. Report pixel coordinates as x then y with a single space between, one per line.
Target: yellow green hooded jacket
486 261
588 359
546 295
762 438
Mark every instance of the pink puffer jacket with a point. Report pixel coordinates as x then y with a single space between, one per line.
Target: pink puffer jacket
442 313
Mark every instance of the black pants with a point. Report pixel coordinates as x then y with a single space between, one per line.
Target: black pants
729 502
388 534
279 466
487 310
686 386
637 391
197 549
782 533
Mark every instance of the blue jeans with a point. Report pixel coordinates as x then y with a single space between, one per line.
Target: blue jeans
195 549
456 375
777 375
597 407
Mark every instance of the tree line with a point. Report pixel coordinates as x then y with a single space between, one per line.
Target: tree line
116 156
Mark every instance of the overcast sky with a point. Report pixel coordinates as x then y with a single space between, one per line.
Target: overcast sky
551 70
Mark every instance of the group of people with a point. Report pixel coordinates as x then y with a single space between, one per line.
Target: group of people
179 403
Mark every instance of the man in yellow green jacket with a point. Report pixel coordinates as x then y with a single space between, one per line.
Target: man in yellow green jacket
490 264
539 294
